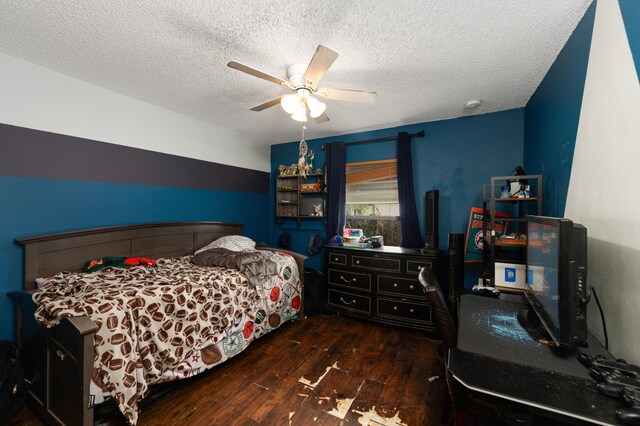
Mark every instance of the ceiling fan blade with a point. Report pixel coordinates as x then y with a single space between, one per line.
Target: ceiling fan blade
267 104
256 73
320 63
322 118
347 95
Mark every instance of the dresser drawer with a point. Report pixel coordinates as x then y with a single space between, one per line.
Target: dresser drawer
337 258
350 279
353 302
375 262
405 311
415 266
399 286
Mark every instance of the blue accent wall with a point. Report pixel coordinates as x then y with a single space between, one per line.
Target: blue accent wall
42 206
631 16
552 115
456 157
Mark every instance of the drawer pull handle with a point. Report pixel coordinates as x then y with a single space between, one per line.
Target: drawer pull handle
357 262
353 280
419 268
411 287
411 310
347 303
395 285
61 354
335 259
395 308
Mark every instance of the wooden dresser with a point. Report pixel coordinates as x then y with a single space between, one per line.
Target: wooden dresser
380 284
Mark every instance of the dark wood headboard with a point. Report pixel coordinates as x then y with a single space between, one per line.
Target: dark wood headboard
68 251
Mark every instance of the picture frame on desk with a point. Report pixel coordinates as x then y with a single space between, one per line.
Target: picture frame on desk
510 277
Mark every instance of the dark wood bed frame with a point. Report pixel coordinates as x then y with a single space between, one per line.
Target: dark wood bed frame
59 360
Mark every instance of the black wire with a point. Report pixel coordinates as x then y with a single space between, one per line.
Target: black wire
604 323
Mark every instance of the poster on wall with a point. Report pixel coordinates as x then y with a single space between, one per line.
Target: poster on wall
475 240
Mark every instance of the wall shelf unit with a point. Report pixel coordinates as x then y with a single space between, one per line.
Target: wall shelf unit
297 196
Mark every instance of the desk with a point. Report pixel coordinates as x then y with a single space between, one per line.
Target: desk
496 357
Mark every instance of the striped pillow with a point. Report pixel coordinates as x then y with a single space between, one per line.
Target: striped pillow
231 242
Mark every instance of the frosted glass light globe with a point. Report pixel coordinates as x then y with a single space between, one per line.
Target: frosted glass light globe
316 108
301 113
289 103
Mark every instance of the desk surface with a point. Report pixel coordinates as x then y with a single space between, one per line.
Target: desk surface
497 357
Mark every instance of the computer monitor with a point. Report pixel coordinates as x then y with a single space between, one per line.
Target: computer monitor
557 278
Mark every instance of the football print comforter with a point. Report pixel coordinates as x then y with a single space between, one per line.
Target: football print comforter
167 321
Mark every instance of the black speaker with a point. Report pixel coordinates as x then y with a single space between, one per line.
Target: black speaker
455 270
315 292
431 222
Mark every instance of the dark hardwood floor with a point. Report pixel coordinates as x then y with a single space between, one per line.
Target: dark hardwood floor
325 370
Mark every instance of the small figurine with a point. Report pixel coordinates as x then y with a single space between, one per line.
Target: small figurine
302 167
282 168
317 210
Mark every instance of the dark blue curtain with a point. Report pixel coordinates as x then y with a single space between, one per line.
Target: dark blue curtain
336 175
409 226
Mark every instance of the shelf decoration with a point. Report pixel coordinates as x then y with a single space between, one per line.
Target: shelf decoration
475 238
304 166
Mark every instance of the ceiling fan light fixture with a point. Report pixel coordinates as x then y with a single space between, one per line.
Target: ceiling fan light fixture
290 103
303 79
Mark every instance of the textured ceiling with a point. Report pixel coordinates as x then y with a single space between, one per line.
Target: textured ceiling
425 59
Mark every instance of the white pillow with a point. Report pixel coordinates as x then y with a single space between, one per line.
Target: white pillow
231 242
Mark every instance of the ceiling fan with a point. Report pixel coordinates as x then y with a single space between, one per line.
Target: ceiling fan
303 80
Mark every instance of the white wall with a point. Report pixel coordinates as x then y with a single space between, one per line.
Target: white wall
603 190
38 98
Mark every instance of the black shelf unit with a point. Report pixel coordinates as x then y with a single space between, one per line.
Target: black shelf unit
492 250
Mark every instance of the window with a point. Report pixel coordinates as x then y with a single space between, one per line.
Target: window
372 199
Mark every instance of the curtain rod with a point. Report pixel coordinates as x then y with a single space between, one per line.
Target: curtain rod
388 138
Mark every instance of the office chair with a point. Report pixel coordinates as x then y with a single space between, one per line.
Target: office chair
446 328
439 310
456 399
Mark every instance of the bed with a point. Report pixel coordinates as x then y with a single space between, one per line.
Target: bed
112 333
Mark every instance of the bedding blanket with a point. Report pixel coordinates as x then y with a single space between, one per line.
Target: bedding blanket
167 321
256 265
